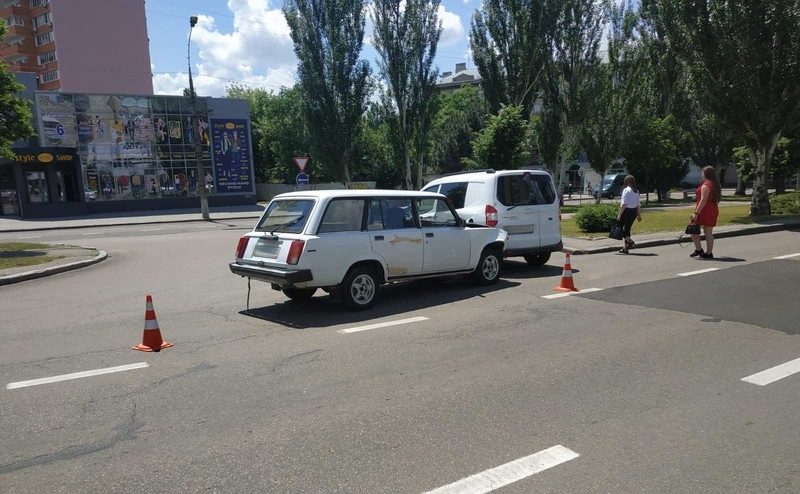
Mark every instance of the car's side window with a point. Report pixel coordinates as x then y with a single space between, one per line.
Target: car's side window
397 214
435 212
519 190
342 215
456 192
375 215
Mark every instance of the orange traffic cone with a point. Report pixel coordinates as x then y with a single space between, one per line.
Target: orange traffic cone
566 284
151 337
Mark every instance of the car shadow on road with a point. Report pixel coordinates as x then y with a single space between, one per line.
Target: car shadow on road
515 270
395 299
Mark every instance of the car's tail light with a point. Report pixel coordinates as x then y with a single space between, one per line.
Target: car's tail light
241 247
294 251
491 215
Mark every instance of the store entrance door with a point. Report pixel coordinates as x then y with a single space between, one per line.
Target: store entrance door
9 200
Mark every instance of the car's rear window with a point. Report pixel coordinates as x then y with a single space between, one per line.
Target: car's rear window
286 215
525 190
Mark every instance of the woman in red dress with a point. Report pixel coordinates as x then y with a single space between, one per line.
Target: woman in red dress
706 210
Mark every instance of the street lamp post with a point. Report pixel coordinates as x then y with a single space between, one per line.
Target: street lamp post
202 190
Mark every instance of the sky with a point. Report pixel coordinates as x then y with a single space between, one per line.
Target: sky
247 42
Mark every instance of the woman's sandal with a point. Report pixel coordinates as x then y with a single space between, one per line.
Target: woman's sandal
623 250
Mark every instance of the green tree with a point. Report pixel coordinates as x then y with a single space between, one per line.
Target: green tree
785 163
746 58
573 49
651 154
459 115
503 143
328 36
279 133
406 37
509 41
376 147
15 112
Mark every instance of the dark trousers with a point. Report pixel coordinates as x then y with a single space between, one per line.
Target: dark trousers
626 221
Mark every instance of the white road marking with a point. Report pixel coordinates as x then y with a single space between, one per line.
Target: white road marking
699 271
567 294
76 375
500 476
153 230
206 226
789 256
382 325
773 374
31 236
92 233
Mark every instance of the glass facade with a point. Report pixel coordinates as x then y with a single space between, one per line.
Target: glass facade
130 147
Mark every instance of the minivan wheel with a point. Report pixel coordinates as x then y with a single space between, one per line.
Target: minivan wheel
488 270
360 288
537 259
299 294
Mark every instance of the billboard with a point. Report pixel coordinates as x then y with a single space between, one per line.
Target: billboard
57 126
233 167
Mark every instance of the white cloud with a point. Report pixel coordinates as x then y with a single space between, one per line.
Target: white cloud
258 52
452 29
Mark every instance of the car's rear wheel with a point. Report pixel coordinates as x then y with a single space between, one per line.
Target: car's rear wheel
360 288
537 259
299 294
488 270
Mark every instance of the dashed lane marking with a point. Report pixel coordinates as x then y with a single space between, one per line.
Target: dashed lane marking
382 325
788 256
76 375
774 373
511 472
153 230
567 294
699 271
30 236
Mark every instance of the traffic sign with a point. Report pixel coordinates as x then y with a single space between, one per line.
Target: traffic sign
301 162
302 179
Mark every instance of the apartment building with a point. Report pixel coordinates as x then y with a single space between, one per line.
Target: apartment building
91 46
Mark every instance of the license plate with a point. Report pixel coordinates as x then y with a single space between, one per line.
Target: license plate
267 248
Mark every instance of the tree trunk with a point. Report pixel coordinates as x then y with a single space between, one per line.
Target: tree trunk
420 169
762 158
779 181
740 186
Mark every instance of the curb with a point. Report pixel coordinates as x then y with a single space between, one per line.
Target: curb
138 223
41 273
668 241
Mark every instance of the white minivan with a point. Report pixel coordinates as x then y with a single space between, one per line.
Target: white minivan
524 203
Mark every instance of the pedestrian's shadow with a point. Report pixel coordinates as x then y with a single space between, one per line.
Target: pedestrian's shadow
639 254
724 259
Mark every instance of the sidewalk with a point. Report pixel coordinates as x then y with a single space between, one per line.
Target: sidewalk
580 246
9 225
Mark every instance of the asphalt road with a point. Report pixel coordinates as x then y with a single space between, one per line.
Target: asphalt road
641 380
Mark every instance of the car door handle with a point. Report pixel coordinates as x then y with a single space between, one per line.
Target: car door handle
378 237
429 235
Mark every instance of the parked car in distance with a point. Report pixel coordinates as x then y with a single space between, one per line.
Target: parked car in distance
612 186
524 203
350 242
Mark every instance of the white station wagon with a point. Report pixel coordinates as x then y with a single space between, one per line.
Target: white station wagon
349 242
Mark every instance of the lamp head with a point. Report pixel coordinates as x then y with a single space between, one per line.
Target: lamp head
193 21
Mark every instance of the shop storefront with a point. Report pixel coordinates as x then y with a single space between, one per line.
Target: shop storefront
129 153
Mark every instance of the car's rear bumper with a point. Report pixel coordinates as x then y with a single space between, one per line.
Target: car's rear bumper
272 275
533 250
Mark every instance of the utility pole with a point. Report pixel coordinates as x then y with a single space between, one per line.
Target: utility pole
202 191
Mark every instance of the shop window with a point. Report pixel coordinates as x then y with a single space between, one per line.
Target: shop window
36 184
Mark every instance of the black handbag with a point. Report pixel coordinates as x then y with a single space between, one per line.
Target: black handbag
692 229
616 232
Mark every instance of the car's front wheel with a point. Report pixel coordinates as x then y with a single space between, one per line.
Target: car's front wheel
537 259
299 294
488 270
360 288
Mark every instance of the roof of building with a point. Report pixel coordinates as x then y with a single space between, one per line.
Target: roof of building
467 76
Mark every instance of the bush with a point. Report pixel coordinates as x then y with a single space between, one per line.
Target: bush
785 203
596 217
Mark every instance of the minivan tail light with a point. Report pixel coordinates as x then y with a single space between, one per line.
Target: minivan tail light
294 251
491 216
241 247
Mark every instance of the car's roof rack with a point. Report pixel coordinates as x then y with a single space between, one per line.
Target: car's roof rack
485 170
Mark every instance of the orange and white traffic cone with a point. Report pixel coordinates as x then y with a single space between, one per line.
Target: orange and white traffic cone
151 337
566 285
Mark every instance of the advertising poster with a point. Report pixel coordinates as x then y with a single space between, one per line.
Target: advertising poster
232 163
57 122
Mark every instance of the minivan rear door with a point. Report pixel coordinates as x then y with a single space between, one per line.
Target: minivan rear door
518 210
549 222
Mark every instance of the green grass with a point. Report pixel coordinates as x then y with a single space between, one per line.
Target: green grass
670 221
20 254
